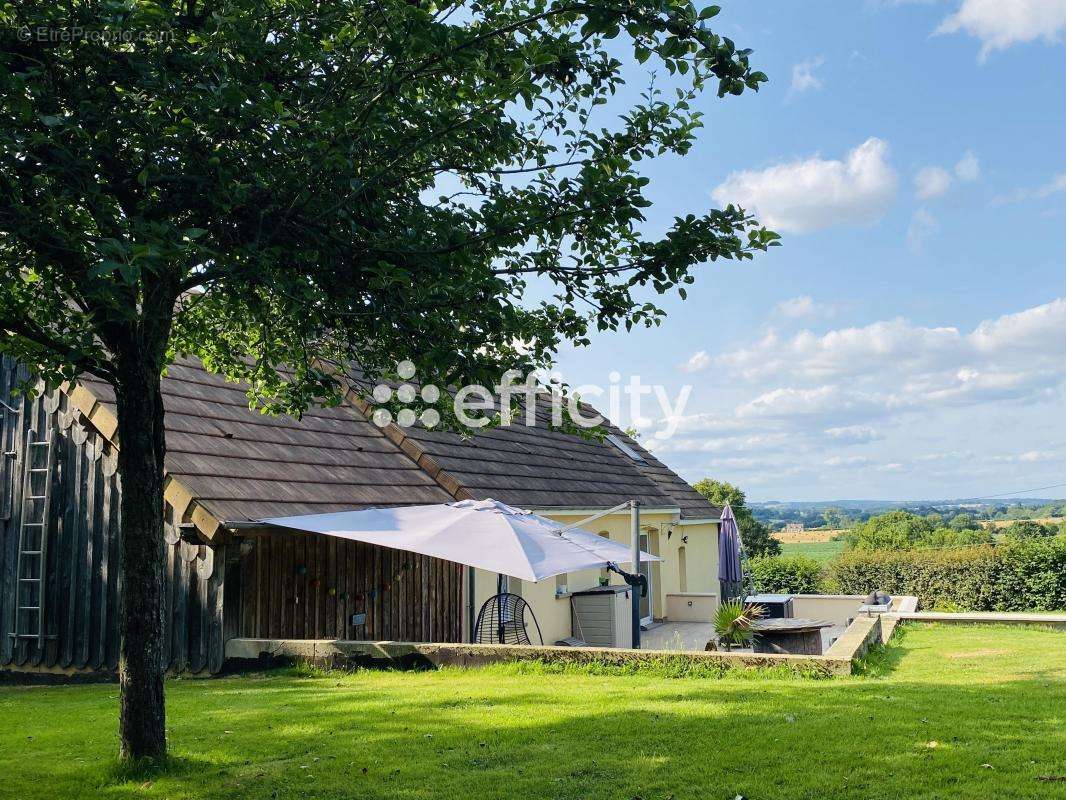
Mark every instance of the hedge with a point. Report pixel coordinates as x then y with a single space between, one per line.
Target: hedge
791 574
1010 576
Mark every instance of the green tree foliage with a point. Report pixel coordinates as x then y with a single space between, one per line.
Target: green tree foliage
835 518
956 537
790 574
896 530
902 530
757 536
1015 575
1029 529
282 186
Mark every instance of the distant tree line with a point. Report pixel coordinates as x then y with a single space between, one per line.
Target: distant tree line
951 557
776 516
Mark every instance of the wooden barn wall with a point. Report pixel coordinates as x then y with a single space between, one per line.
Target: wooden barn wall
297 586
82 576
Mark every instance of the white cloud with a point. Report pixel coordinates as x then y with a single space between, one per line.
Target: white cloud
1036 456
728 444
1002 23
853 374
853 434
1027 457
828 402
803 77
697 363
847 461
1056 185
886 408
705 422
968 168
923 225
901 345
815 193
796 307
931 182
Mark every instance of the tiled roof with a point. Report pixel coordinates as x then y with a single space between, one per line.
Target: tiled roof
243 465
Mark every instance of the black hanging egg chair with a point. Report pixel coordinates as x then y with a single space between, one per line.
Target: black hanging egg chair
502 620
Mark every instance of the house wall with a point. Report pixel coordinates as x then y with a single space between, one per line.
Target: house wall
82 577
665 536
303 586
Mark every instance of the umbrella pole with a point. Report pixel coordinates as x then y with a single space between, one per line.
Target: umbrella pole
634 514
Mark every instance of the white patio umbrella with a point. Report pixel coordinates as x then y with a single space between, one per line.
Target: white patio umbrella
486 534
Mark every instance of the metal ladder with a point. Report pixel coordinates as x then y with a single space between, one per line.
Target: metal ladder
31 568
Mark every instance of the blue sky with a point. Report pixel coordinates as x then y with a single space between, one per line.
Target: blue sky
909 338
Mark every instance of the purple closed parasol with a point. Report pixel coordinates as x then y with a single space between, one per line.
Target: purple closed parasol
728 548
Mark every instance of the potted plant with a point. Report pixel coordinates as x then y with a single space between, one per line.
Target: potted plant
734 623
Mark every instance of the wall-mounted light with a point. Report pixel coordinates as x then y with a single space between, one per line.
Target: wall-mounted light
684 540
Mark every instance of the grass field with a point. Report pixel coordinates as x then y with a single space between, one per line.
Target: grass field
820 551
944 712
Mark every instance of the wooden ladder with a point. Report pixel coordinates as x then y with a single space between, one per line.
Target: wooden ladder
32 565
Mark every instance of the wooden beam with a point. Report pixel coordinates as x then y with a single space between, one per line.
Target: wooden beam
174 493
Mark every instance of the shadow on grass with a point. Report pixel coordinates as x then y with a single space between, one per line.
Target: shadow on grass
496 733
149 769
711 739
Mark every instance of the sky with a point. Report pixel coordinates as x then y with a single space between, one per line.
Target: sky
908 340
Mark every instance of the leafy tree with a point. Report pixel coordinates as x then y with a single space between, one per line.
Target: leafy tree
964 522
902 530
281 187
757 536
896 530
835 518
944 537
787 574
1029 529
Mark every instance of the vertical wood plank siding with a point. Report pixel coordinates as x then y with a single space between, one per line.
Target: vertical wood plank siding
284 586
323 581
82 573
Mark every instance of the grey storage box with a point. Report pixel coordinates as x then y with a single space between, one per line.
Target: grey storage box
603 616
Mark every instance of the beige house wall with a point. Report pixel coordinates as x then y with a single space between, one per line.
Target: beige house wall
666 534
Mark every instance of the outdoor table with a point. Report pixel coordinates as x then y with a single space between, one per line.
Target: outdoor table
802 636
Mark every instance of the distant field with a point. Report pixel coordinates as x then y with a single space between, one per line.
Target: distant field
809 535
820 551
1004 523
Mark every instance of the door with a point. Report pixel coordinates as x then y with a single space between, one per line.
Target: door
645 570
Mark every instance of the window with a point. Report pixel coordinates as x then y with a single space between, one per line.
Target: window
625 448
682 570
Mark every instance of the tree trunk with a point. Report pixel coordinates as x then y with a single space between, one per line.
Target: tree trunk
141 448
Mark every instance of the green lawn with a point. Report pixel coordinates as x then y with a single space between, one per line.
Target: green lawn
819 551
947 712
